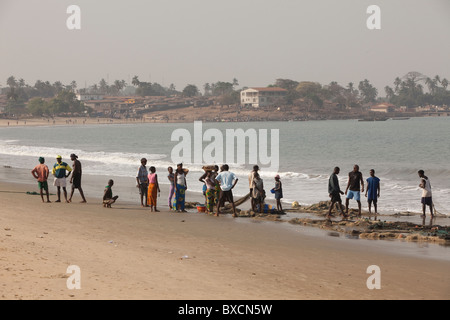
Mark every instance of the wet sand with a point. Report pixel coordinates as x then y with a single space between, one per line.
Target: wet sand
129 253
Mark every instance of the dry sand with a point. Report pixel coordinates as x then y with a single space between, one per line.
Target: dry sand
129 253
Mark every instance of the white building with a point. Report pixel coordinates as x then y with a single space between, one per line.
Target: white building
263 97
383 107
88 97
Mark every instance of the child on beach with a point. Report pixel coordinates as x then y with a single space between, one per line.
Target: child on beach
278 192
108 198
41 172
153 189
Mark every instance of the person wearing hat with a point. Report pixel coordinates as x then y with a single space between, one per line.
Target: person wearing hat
41 172
75 180
59 171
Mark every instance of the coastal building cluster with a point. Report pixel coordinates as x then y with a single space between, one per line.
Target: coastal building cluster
255 104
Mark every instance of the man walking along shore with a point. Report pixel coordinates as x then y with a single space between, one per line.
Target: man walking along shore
75 180
335 193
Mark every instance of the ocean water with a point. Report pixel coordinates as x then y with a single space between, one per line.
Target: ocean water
307 152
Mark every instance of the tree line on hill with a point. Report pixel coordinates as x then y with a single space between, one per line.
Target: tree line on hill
44 98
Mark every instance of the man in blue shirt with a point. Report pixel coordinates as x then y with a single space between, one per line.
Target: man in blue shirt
373 192
227 181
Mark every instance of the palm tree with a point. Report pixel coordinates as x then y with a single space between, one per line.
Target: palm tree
103 85
135 81
235 82
437 79
397 83
12 94
11 82
21 83
350 87
207 88
389 92
73 85
444 83
431 85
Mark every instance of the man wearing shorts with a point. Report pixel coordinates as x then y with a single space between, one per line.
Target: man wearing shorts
41 172
227 181
427 199
354 188
373 192
59 171
75 180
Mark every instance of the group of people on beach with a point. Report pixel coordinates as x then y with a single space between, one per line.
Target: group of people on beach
61 171
218 186
372 187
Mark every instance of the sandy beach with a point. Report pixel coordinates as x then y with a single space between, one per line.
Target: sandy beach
129 253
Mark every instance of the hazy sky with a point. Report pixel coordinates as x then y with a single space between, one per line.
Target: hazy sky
199 41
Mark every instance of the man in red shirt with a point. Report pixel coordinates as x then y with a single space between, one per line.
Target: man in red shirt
41 172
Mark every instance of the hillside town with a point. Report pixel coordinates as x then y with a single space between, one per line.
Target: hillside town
286 100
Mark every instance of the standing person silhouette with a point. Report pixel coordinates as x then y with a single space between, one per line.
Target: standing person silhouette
75 180
59 171
356 186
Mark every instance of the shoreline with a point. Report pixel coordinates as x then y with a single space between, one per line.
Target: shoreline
409 227
82 121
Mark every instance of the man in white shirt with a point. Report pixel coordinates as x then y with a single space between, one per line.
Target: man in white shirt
427 199
227 181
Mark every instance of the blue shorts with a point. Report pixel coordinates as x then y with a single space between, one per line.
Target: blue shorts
354 195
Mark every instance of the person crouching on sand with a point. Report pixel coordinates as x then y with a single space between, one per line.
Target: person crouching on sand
108 198
41 172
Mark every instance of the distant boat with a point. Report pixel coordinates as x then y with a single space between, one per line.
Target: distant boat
401 118
373 119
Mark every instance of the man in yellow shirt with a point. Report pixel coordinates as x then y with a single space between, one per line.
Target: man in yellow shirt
59 171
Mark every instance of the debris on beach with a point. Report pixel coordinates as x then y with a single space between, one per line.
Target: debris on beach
375 230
